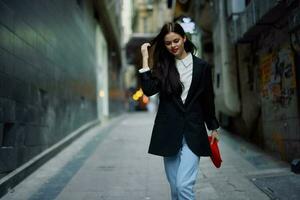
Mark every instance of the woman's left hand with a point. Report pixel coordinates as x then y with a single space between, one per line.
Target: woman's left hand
214 136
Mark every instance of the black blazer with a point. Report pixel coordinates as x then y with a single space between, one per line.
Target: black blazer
175 119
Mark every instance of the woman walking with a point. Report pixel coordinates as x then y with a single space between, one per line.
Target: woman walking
186 104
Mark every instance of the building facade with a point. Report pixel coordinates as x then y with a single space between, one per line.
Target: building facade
265 36
57 72
253 46
147 19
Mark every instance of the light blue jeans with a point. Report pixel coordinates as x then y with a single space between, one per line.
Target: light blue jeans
181 171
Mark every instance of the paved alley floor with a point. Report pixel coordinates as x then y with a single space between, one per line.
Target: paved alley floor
110 162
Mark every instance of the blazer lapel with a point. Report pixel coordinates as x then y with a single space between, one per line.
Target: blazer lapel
194 83
179 102
193 87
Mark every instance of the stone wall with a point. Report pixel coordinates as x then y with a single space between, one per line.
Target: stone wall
47 75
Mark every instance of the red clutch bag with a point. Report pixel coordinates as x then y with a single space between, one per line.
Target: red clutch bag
216 156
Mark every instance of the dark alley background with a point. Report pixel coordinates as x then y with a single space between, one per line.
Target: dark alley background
68 67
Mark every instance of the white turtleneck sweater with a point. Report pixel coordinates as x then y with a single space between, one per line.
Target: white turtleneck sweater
185 69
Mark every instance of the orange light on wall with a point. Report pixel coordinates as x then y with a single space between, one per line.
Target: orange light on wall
140 92
137 95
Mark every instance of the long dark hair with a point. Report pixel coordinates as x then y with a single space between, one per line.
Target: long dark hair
163 63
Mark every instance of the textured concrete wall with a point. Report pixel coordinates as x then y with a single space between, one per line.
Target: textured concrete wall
248 122
278 93
226 90
269 98
47 75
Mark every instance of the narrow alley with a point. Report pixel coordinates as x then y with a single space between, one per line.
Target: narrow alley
91 90
111 162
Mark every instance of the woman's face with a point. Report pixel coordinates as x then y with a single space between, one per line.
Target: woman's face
175 44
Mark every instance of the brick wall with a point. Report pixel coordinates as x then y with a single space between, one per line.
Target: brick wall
47 75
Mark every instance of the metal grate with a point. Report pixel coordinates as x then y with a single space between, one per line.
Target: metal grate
285 187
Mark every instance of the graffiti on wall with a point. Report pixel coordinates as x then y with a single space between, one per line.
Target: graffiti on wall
278 82
279 144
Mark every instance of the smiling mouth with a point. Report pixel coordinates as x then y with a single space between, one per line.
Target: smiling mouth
174 50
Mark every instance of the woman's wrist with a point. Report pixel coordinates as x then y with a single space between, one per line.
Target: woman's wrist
145 62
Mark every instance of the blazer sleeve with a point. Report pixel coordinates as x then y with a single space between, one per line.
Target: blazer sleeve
150 85
209 101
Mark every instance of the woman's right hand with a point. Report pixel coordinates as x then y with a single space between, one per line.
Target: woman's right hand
144 50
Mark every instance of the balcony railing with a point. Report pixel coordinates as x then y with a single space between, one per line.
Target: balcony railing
257 17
